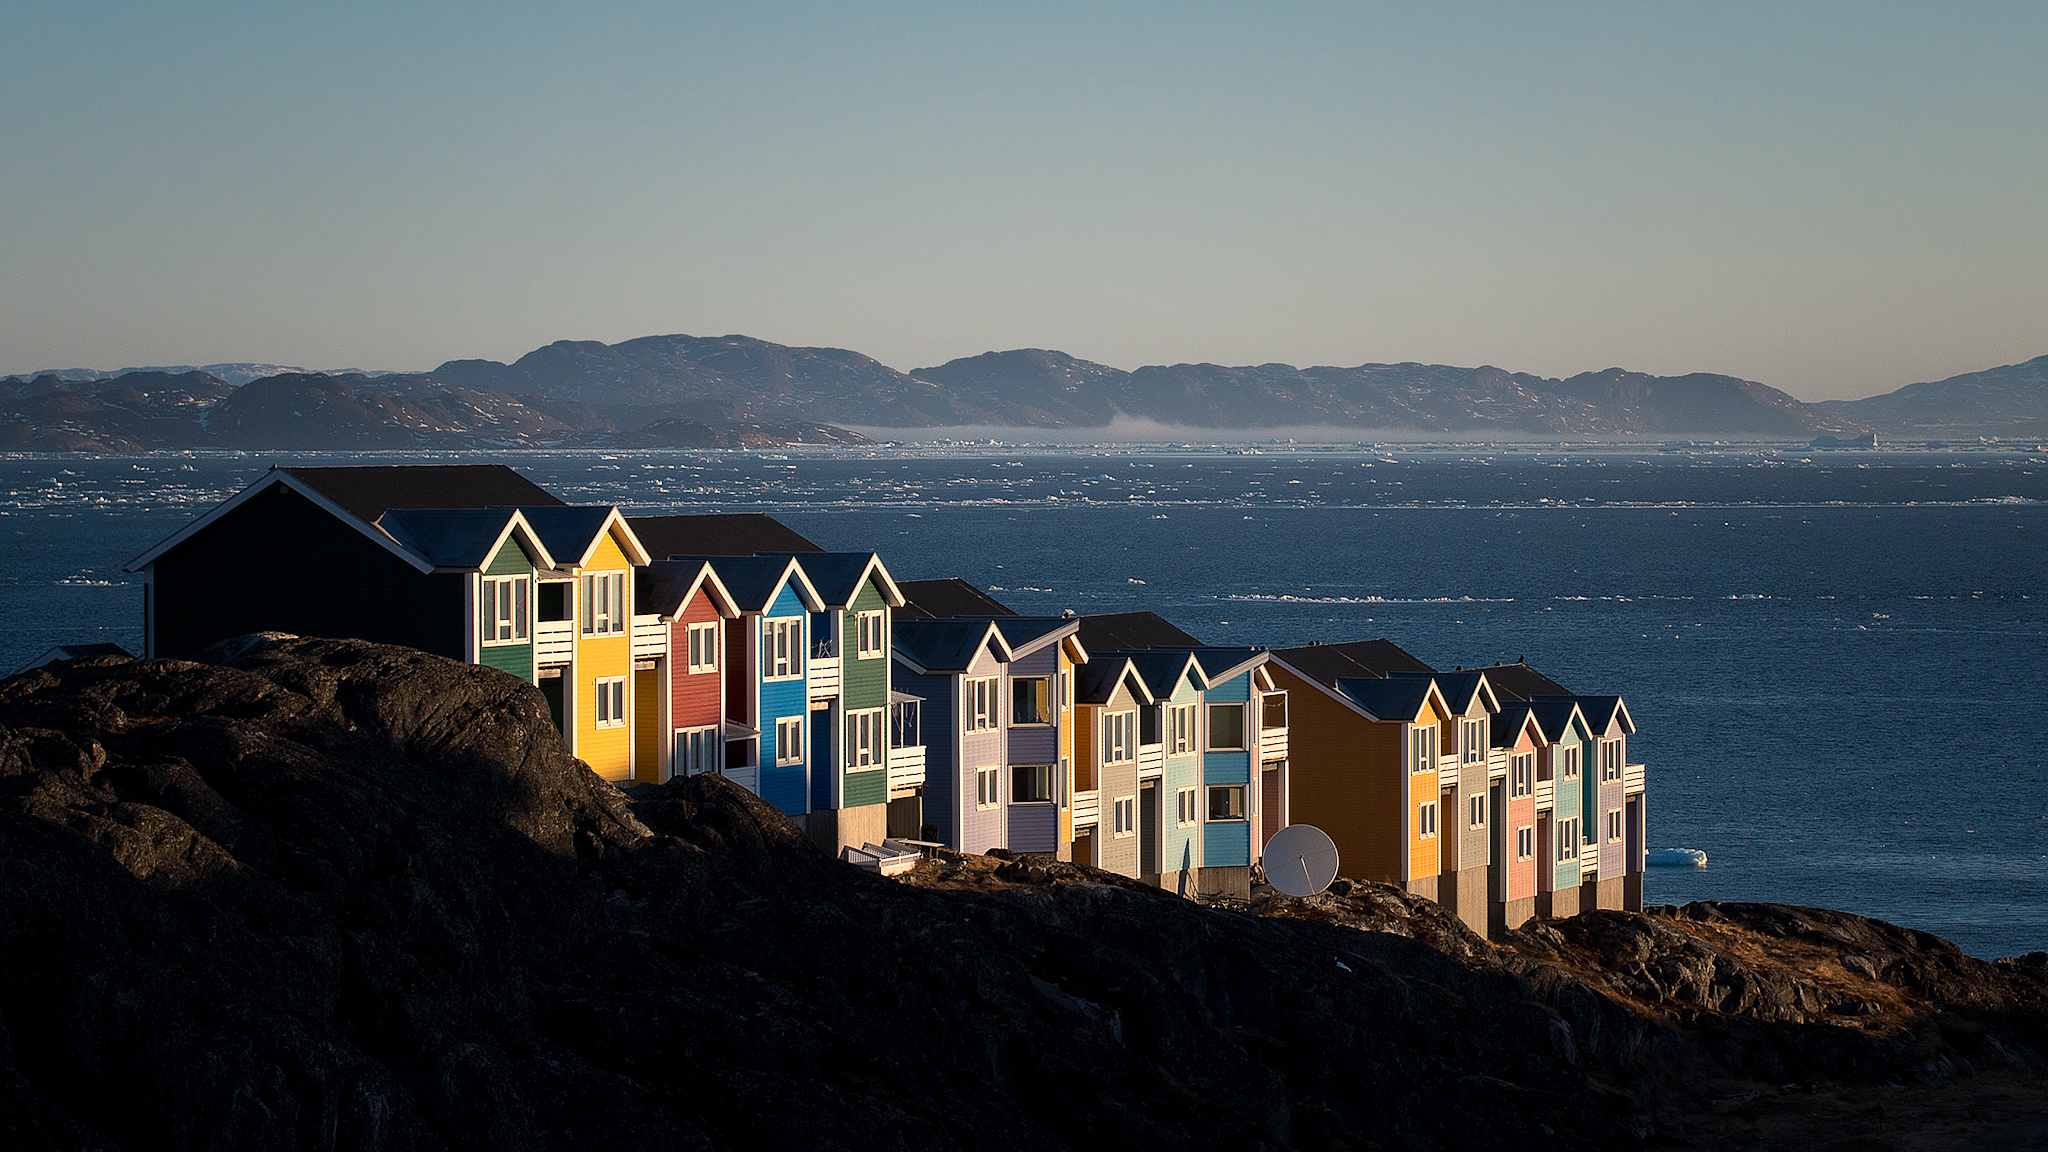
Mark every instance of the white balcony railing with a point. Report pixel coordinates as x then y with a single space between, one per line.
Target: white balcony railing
1273 744
650 638
1151 759
1546 794
823 676
906 768
554 641
1632 779
1087 809
1448 765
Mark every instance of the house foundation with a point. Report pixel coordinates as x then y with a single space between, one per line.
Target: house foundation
1632 892
906 818
1507 915
836 828
1464 893
1235 882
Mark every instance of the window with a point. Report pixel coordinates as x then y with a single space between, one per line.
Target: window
696 751
864 735
1180 728
1613 824
1568 762
1610 760
1525 843
1031 700
1475 811
1030 783
869 638
608 703
782 648
604 604
506 609
1521 774
1422 749
703 648
1226 727
1124 816
1425 820
988 787
979 695
1568 839
1472 741
1274 711
1184 810
1226 802
1119 737
789 740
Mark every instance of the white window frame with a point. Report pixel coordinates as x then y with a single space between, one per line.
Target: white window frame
1567 839
782 648
789 735
1422 748
1521 774
1123 817
508 602
1614 825
1568 762
701 647
1472 741
1610 760
1426 820
1475 814
981 705
603 611
1180 726
865 738
608 702
1243 733
871 639
988 787
1525 842
1119 737
697 751
1185 814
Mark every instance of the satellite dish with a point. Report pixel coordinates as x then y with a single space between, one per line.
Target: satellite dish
1300 860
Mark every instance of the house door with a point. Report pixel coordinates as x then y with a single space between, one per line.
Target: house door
1546 856
551 690
1497 835
1148 829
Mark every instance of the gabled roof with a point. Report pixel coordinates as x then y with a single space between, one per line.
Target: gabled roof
1395 699
572 532
946 598
1459 689
839 576
941 646
1096 681
1328 663
1221 664
368 491
666 586
755 581
1162 671
1027 634
462 538
718 534
1128 631
1600 711
360 496
1554 717
1518 681
1507 725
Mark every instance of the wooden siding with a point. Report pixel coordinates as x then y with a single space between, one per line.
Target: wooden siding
511 559
864 684
1181 848
1520 813
608 751
983 828
694 697
1425 852
786 786
278 562
939 717
1347 776
1114 853
1228 844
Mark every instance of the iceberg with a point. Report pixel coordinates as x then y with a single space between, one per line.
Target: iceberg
1676 858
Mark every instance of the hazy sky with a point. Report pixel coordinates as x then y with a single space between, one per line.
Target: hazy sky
1833 198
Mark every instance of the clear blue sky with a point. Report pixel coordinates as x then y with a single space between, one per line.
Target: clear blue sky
1833 198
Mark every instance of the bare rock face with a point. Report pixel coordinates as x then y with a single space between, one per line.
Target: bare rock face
311 893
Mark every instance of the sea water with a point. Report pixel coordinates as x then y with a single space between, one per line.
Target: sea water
1829 656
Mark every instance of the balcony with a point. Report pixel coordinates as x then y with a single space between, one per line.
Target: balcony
823 677
1151 759
906 769
1272 744
554 641
1087 809
1546 794
650 638
1447 765
1631 779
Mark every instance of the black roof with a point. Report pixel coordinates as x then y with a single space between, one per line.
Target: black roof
1398 698
1123 631
1521 682
718 534
1329 663
946 598
1096 681
368 491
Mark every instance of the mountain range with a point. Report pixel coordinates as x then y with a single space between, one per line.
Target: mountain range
724 391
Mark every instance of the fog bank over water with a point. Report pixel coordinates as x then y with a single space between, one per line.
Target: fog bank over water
1138 430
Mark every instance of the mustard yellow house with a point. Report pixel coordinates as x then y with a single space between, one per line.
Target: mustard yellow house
583 637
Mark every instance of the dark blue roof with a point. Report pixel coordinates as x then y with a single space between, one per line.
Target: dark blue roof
835 575
1096 681
939 645
1507 723
449 537
1458 687
1162 671
568 530
1554 716
1387 699
1025 631
661 586
1328 663
753 581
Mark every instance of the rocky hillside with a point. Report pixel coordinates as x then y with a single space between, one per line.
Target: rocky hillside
2009 402
315 411
325 894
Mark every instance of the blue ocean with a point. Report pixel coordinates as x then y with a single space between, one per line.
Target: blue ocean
1826 654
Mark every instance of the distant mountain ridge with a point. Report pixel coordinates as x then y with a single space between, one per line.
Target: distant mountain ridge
2008 401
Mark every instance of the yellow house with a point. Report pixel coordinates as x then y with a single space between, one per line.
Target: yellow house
584 635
